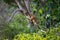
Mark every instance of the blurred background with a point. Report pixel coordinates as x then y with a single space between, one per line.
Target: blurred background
47 13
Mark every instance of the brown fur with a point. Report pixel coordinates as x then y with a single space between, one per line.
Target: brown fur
32 18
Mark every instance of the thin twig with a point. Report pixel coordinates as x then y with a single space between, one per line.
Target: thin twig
13 14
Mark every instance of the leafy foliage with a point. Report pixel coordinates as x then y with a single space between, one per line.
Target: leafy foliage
48 18
52 34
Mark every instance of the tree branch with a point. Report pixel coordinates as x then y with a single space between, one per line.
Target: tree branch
20 7
27 4
13 14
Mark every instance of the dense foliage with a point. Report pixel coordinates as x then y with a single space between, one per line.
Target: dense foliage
47 13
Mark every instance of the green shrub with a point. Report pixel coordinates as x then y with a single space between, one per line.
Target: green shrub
52 34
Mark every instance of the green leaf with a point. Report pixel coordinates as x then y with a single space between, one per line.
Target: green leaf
48 15
34 10
46 7
40 11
